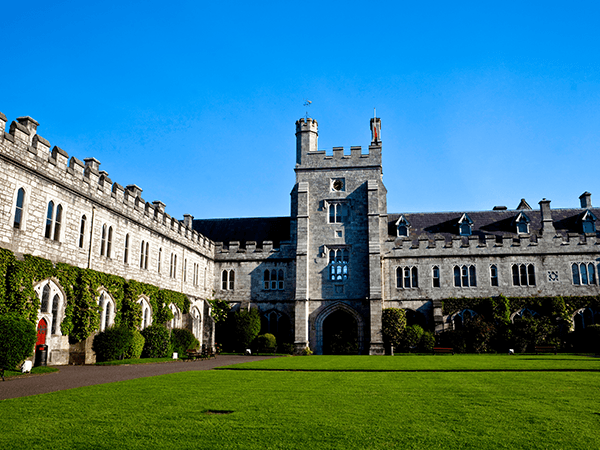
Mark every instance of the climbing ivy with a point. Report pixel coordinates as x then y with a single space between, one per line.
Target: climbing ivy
499 308
81 288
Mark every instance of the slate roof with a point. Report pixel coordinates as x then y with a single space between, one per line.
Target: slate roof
499 223
258 229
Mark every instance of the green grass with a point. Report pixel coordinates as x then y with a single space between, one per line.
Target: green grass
561 362
318 410
35 371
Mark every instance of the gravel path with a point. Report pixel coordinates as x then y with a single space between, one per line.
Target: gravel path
69 377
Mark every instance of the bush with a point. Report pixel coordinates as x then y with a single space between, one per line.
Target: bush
183 340
427 342
158 341
266 343
412 336
479 335
246 326
286 347
306 352
17 340
136 346
117 342
393 323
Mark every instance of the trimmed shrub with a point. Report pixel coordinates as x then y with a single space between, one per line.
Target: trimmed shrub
117 342
17 340
246 326
412 336
427 341
136 345
393 323
158 341
286 347
183 340
266 343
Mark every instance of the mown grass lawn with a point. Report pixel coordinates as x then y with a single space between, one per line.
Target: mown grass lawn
315 410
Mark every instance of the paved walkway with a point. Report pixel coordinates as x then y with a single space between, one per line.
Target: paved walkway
69 377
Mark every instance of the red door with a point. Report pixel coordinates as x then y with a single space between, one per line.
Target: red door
42 330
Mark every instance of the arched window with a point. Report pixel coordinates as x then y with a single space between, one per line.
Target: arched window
493 275
146 255
280 279
103 240
57 222
82 231
266 280
338 264
465 276
523 274
228 279
126 253
19 208
107 311
174 266
435 275
109 242
583 273
142 248
205 276
159 258
55 305
49 216
146 313
184 270
45 299
407 277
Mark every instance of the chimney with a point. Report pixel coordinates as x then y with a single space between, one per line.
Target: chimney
586 200
187 220
547 224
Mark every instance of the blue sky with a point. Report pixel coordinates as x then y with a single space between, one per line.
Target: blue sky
481 103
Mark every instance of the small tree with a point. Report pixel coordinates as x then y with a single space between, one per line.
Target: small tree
393 322
246 327
17 338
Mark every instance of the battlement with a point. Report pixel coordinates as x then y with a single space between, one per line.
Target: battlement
307 124
491 245
253 250
23 147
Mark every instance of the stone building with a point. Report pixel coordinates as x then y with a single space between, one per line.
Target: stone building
339 258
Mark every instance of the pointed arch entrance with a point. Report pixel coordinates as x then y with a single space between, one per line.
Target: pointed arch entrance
42 331
339 330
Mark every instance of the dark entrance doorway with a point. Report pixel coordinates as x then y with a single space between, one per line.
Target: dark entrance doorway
340 334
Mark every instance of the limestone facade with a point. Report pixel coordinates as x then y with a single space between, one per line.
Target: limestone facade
339 252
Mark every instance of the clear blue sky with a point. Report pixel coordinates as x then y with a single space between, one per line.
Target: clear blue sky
482 103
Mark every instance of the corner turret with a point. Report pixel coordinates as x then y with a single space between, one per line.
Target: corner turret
307 133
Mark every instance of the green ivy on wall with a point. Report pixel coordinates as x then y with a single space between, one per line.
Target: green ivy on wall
81 288
500 308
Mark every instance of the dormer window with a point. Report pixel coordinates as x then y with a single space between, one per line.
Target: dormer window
522 223
465 225
588 222
402 226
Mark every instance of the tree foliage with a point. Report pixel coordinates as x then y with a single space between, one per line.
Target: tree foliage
17 340
393 322
158 341
246 327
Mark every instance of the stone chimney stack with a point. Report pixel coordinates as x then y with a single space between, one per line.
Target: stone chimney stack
547 224
586 200
187 220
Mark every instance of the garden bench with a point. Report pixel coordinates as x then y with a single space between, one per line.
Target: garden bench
545 349
443 350
207 354
193 354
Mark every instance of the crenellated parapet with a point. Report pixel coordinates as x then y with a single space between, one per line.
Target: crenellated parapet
253 251
491 245
23 147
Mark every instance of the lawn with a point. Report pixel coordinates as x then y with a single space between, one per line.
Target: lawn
307 409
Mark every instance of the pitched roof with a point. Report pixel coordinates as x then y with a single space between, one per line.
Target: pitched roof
498 222
258 229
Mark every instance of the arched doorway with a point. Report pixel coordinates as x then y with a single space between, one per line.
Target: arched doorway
340 334
42 331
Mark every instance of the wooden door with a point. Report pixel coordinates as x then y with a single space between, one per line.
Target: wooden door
42 330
